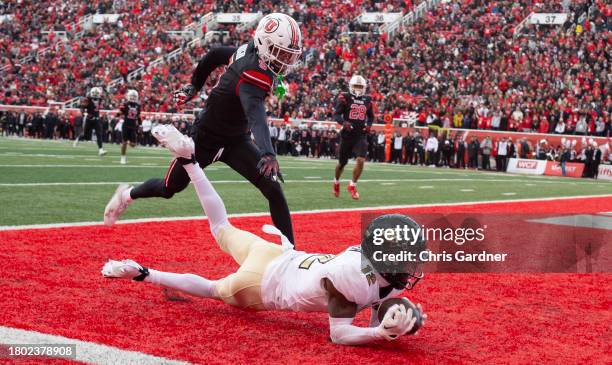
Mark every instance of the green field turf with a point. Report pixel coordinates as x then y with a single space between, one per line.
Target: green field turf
52 182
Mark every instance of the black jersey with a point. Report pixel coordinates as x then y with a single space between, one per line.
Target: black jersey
131 114
235 105
91 106
356 110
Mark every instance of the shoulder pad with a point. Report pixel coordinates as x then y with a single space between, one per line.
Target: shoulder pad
257 78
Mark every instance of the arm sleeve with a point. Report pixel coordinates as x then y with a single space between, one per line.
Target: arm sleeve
342 331
339 110
252 100
214 58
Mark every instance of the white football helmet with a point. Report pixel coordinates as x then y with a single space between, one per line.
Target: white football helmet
95 92
357 85
279 42
132 96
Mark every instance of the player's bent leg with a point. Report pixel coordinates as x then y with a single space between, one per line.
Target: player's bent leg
279 209
243 158
237 243
175 181
243 288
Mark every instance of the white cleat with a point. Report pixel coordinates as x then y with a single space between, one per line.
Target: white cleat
123 160
176 142
101 152
116 206
76 142
126 269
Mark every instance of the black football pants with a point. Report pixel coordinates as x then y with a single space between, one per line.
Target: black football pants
239 153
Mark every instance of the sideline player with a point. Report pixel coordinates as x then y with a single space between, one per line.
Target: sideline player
90 108
355 113
131 122
235 108
275 277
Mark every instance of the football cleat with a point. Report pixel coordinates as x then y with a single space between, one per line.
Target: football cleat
176 142
353 190
116 206
101 152
126 269
337 189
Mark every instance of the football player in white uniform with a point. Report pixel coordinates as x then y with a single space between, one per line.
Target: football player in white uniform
277 277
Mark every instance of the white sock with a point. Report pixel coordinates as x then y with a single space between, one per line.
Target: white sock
352 183
336 181
123 158
126 197
209 199
188 283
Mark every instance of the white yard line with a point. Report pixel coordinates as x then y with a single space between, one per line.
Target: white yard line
309 181
300 212
87 352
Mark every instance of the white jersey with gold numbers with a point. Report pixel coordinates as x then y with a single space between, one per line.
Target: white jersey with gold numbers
294 281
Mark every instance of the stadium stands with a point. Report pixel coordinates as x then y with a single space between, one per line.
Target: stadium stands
460 65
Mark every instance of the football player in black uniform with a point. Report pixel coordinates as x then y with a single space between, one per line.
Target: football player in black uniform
90 109
355 113
234 109
131 122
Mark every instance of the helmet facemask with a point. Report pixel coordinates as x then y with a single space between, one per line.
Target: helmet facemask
281 59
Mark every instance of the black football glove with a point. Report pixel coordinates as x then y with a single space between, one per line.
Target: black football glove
268 167
184 94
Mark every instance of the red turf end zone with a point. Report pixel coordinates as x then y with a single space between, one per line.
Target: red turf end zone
51 284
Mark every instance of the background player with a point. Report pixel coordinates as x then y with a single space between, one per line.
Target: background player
235 108
90 109
274 277
355 113
131 122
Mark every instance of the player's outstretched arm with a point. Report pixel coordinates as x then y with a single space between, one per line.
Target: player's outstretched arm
397 321
252 99
216 57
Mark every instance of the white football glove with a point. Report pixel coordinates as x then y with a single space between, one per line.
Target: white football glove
397 322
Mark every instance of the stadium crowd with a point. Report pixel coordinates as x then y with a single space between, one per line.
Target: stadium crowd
459 66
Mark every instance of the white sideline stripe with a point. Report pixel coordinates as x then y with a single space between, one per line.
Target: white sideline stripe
509 194
299 212
88 352
286 181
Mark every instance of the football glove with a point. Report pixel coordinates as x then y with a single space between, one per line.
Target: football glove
397 322
268 167
184 94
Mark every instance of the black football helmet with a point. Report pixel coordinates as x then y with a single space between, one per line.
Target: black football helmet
402 274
